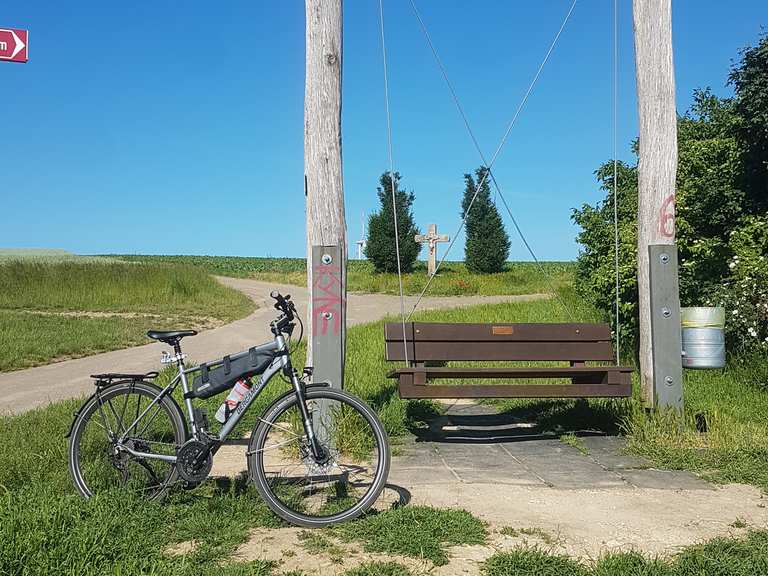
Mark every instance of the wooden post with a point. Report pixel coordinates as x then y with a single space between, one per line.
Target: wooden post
323 183
658 159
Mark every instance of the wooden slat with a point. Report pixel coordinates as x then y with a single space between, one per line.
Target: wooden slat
516 332
513 351
514 372
394 331
408 390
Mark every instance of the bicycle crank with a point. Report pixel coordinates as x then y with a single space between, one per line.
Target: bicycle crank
194 461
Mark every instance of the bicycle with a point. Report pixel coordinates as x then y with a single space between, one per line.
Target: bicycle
317 455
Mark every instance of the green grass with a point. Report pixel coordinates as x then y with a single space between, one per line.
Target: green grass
734 447
453 279
114 287
417 531
52 310
379 569
570 439
30 340
546 537
719 557
315 542
46 256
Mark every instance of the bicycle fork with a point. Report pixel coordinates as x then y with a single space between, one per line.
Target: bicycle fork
318 453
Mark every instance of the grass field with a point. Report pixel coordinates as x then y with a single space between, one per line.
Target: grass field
55 307
453 279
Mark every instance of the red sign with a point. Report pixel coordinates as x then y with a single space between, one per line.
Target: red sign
13 45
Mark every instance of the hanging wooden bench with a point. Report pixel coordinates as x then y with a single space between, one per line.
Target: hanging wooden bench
577 344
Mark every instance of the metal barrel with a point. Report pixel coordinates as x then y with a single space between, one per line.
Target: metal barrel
703 337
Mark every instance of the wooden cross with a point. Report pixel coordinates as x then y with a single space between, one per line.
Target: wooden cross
431 238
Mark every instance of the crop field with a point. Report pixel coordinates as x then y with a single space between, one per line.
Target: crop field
453 278
57 307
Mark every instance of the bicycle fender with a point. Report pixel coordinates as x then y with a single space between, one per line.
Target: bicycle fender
76 415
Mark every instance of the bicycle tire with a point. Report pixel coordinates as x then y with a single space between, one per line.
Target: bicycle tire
258 472
92 407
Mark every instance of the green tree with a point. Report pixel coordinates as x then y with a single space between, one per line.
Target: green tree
595 266
722 198
487 245
749 78
380 246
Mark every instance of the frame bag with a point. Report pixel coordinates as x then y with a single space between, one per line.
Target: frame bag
222 374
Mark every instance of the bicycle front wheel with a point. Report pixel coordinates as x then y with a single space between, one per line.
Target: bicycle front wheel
118 419
312 492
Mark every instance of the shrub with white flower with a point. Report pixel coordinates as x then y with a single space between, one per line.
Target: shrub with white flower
745 296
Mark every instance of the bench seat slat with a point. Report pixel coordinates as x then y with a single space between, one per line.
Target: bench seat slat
513 372
517 391
534 351
520 332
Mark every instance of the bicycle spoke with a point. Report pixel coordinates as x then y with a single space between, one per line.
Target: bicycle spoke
104 461
118 420
104 418
149 421
308 486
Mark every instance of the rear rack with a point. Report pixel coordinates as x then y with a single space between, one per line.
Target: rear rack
111 377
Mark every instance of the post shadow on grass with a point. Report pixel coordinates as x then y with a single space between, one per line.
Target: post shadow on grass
521 421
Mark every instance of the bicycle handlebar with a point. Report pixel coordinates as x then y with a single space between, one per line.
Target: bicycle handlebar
284 304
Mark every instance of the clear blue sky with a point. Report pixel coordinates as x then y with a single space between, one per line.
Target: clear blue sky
176 128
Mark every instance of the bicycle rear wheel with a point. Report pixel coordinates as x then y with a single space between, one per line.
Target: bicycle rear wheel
97 461
339 487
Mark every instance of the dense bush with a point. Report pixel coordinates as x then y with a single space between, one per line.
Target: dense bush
380 247
745 294
721 217
487 245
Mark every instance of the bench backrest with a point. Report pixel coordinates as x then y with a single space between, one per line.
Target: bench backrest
435 341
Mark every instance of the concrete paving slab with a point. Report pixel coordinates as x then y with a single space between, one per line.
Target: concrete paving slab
428 475
608 452
666 480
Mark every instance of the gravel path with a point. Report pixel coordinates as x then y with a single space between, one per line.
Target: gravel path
34 387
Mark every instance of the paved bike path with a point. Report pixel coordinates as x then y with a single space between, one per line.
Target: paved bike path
34 387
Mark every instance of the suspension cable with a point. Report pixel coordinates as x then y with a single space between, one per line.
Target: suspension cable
392 176
496 153
615 98
479 150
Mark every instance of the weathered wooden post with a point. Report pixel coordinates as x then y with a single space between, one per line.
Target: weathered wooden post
657 276
324 190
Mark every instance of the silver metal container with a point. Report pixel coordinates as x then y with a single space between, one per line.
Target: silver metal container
703 337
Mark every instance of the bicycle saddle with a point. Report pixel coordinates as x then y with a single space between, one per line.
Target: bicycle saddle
171 337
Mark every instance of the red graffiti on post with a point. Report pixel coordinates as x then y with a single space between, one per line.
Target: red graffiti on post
327 301
667 217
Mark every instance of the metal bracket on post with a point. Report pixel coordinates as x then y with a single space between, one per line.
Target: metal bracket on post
328 322
665 326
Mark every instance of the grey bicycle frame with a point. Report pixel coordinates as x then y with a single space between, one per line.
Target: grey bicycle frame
279 363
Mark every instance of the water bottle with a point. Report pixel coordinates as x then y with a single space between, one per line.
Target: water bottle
238 392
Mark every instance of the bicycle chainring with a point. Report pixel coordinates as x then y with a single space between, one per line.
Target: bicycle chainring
191 466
